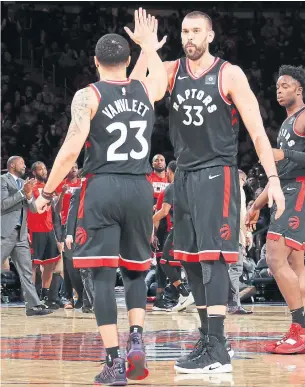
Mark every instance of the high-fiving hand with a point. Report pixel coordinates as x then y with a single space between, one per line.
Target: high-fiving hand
145 31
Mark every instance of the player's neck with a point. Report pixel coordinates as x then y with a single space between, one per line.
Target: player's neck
203 63
160 174
113 75
295 107
73 180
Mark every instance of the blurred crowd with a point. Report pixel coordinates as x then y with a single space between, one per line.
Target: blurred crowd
35 115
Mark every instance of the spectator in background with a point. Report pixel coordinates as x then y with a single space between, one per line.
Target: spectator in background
236 269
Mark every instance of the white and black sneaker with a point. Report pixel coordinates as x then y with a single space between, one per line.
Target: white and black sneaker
183 302
200 346
213 359
163 303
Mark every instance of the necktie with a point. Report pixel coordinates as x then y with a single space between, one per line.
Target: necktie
19 185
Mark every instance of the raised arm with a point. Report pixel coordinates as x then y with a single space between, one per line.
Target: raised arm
144 36
236 87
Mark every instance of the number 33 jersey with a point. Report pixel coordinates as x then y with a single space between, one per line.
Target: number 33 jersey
119 140
203 121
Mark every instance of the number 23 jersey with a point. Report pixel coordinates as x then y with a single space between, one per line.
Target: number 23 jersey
203 122
119 140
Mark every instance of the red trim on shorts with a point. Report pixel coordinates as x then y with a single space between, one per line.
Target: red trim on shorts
134 265
301 196
159 255
274 236
85 262
226 100
80 211
185 256
174 263
188 68
46 261
227 192
173 80
96 91
163 261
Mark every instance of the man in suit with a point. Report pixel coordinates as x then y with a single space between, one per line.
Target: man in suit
16 199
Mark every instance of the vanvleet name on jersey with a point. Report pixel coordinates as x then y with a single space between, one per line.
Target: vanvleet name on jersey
125 105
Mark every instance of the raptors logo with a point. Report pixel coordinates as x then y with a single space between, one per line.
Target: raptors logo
294 222
80 236
225 232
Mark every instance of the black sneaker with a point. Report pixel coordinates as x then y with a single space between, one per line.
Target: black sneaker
51 305
213 359
197 351
38 311
163 304
113 376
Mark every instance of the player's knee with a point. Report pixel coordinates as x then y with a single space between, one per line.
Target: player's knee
217 289
135 289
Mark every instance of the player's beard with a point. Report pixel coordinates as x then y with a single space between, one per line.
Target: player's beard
42 179
159 170
197 51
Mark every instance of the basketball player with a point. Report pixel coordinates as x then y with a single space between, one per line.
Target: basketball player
45 247
159 180
206 93
115 118
286 235
72 276
170 266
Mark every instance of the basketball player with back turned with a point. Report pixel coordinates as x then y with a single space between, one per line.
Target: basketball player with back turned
206 93
286 236
115 118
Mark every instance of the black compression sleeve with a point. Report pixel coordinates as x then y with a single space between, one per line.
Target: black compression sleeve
295 156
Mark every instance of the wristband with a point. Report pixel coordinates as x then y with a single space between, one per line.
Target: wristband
47 196
272 176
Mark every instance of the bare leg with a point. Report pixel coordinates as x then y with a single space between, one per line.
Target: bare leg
286 278
296 261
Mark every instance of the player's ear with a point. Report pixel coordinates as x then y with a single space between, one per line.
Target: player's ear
96 62
211 36
128 61
299 90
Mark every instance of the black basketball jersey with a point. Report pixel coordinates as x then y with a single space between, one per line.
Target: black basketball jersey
203 122
169 199
119 140
288 138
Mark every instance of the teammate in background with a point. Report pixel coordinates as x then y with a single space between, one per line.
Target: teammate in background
70 229
45 233
168 264
72 276
159 180
286 235
115 118
206 95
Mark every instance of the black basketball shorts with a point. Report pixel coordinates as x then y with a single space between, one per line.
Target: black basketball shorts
291 225
114 225
44 248
168 251
207 214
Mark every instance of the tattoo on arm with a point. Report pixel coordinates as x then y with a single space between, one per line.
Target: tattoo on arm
80 113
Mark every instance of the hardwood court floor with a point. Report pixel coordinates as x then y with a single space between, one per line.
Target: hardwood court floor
64 349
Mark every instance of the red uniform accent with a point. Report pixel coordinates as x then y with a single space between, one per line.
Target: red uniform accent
225 232
288 241
40 222
80 236
301 197
159 184
67 197
227 192
80 212
84 262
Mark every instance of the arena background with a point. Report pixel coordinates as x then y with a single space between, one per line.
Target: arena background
47 54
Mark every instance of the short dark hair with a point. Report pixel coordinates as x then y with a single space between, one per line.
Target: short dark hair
112 50
296 72
12 160
172 166
196 14
35 165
